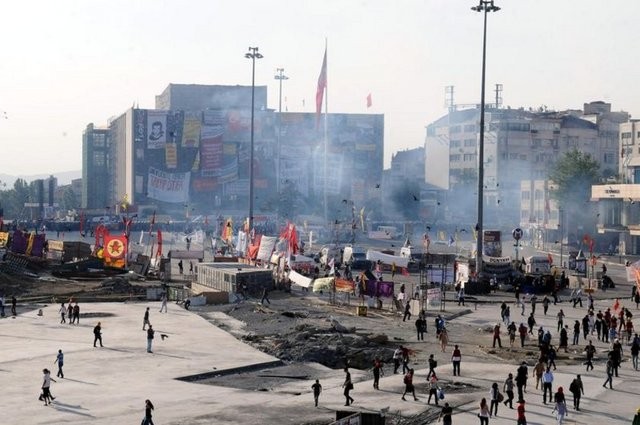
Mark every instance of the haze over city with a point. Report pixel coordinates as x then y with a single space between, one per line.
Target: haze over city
69 63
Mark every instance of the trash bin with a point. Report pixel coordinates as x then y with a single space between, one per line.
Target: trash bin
362 310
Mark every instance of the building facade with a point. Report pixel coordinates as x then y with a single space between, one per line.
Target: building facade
96 168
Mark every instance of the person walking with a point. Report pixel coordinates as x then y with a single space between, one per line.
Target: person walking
484 412
148 410
145 320
545 304
444 339
531 321
496 335
590 351
407 311
150 335
432 366
408 385
560 408
163 306
494 394
377 372
547 385
60 361
564 338
348 386
433 389
97 334
180 267
511 330
508 389
76 314
609 374
522 330
538 371
577 389
521 418
265 296
560 317
635 349
405 360
456 358
421 327
46 387
397 358
70 313
317 389
521 379
63 312
14 304
576 332
445 414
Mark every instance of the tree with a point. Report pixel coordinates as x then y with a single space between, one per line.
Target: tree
573 174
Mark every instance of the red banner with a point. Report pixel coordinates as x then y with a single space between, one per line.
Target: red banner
115 247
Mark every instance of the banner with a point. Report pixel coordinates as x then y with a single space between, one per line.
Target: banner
115 247
171 155
4 238
344 285
156 129
386 258
168 187
491 243
299 279
267 243
323 284
191 132
211 151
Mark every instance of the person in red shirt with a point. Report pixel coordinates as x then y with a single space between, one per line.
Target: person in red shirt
522 420
496 335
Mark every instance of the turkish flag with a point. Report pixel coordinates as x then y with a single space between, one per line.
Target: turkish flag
322 85
369 102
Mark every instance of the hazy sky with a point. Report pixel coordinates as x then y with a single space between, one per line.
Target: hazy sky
67 63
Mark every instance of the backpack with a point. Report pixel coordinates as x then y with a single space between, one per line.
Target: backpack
574 387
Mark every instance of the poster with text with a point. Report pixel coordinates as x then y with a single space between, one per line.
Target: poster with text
168 187
156 129
211 150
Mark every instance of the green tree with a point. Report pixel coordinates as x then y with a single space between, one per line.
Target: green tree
573 174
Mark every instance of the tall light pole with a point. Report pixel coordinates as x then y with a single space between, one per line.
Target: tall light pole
279 76
485 6
253 55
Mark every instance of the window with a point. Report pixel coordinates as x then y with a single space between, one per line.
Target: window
608 158
471 128
469 156
537 194
98 140
526 195
454 158
99 159
469 143
455 144
455 129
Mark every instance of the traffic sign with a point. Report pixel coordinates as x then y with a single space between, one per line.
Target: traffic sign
517 233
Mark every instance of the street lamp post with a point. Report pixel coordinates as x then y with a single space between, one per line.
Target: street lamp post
279 76
485 6
253 55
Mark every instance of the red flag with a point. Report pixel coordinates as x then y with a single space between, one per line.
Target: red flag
159 252
322 85
369 102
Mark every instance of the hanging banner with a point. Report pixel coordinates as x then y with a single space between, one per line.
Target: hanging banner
4 238
171 155
191 132
115 247
168 187
267 243
211 151
344 285
323 284
299 279
156 129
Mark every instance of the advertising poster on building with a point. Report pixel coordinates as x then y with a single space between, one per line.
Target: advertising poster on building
168 187
491 243
156 129
191 132
140 125
211 150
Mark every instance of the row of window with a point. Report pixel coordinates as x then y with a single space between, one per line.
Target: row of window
465 157
539 215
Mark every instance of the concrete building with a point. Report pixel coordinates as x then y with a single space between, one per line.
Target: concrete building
519 145
97 174
194 155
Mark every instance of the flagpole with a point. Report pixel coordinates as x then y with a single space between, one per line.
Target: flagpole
326 111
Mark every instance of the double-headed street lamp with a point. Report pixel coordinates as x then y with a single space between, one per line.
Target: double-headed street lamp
485 6
253 55
280 77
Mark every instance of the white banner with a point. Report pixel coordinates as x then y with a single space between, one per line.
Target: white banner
267 243
168 187
299 279
386 258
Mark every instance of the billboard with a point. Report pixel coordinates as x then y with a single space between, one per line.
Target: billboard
491 243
